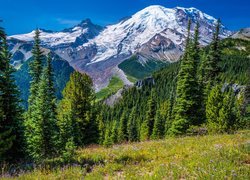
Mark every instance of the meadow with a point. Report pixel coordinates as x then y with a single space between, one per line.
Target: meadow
195 157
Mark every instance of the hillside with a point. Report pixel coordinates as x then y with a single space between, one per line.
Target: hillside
235 70
197 157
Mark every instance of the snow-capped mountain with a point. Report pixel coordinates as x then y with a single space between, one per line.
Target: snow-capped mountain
154 33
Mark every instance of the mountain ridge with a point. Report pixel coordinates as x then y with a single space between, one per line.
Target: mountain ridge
154 33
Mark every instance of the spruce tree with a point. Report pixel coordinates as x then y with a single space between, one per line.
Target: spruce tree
210 64
227 118
148 123
213 106
158 130
114 132
107 140
33 130
187 87
132 126
11 122
122 129
74 108
101 128
45 111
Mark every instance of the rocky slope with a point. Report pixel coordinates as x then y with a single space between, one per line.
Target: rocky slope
242 34
154 33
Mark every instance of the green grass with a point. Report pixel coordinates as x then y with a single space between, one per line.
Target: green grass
114 85
197 157
133 68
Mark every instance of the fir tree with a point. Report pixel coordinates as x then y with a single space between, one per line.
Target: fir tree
45 111
210 65
148 123
187 88
107 140
74 108
36 68
158 130
213 106
101 128
114 132
33 130
122 129
132 126
11 124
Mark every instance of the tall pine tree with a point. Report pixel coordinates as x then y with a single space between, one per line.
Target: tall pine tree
187 88
11 122
122 129
74 108
148 124
132 126
33 131
45 113
210 64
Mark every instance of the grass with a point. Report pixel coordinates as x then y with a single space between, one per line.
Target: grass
197 157
114 85
133 68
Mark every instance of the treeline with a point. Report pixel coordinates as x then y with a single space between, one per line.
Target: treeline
199 94
188 97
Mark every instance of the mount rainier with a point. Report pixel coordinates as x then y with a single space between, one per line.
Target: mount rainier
155 33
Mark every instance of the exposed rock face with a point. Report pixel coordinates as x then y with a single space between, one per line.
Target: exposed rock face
242 34
154 33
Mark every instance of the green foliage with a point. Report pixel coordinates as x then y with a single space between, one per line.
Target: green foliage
11 122
148 123
114 85
221 111
122 129
187 101
132 126
133 68
69 151
114 132
213 106
108 140
191 98
158 130
41 130
61 69
101 128
74 120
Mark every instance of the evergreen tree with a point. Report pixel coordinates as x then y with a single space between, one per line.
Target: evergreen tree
158 130
187 87
122 129
74 108
227 117
132 126
92 128
107 140
114 132
45 111
213 106
210 65
148 123
11 124
33 130
36 68
101 128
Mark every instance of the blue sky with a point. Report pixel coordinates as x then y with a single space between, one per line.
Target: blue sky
21 16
